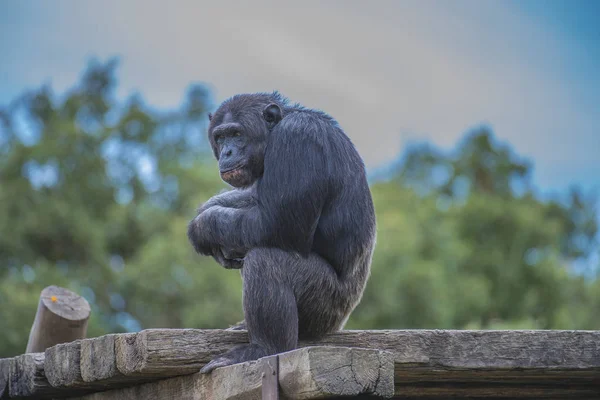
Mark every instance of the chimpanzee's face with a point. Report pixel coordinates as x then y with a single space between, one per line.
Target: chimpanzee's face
238 135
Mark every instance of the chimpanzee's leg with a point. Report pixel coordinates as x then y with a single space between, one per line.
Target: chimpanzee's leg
285 294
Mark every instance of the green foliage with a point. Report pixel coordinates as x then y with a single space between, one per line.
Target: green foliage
95 195
463 241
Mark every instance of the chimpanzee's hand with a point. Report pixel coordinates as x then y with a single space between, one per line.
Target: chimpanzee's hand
200 234
225 261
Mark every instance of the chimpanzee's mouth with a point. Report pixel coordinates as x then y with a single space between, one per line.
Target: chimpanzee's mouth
231 169
232 172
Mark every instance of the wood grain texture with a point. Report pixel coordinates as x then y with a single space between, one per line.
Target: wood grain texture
178 351
61 365
309 373
98 363
322 372
270 378
427 363
188 387
26 377
172 352
63 369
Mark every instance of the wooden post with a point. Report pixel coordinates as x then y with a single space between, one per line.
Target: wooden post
61 317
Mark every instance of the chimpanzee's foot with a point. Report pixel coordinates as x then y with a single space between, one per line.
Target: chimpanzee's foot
240 326
240 354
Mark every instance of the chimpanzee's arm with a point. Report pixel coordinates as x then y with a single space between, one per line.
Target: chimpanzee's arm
236 198
290 195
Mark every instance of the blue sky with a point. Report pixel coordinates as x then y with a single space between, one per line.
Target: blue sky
391 72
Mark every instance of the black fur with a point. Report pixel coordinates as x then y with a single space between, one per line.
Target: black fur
300 222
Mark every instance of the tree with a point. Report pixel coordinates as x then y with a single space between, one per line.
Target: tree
463 241
96 194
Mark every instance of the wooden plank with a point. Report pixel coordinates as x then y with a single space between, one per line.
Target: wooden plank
481 349
163 352
434 363
565 361
27 379
89 365
493 390
240 381
270 378
63 370
26 376
172 352
324 372
98 363
4 373
308 373
61 365
98 360
440 383
188 387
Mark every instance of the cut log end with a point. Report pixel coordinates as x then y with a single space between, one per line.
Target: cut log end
61 317
65 304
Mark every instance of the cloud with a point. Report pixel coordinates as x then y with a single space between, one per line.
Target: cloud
389 73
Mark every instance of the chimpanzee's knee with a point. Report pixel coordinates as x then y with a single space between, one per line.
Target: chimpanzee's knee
263 263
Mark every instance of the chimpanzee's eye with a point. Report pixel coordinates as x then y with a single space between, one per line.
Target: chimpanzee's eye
237 134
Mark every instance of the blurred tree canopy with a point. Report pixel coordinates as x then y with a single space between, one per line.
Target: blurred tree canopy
96 194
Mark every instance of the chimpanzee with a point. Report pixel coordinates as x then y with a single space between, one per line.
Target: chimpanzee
299 222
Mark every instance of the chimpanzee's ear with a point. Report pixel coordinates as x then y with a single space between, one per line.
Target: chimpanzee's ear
210 116
272 113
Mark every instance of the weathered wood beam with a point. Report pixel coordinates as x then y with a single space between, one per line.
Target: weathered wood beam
27 379
517 364
494 390
196 387
308 373
88 365
26 375
513 362
322 372
172 352
163 352
98 362
61 365
61 317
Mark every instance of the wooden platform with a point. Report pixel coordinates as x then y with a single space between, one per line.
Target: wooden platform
409 364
